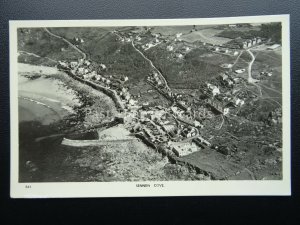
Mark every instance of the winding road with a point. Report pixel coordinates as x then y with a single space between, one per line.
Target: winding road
142 54
250 78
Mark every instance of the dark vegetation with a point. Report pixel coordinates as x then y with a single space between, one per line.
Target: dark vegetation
37 41
269 31
104 47
187 73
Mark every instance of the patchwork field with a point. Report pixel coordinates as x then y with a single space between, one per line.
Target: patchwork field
207 36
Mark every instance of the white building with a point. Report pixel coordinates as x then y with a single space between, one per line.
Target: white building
102 66
240 71
180 56
178 35
226 111
170 48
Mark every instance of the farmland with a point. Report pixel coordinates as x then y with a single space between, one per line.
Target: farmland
207 36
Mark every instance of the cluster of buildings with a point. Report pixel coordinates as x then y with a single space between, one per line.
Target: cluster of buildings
155 80
84 70
220 98
78 40
275 116
224 50
251 42
241 43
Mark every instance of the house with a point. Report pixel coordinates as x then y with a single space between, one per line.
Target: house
227 65
215 90
98 77
249 44
178 35
132 102
238 102
170 48
180 56
125 78
87 62
182 149
225 111
102 66
258 40
73 64
198 124
240 71
224 76
81 70
63 64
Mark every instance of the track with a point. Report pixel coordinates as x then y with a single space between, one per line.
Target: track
68 42
152 65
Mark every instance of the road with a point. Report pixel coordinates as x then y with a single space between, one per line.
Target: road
237 59
152 65
65 40
250 78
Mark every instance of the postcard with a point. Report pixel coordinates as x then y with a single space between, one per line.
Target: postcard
160 107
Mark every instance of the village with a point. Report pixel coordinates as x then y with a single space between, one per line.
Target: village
204 99
175 130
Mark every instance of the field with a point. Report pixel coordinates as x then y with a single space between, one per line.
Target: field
207 36
171 30
198 66
39 48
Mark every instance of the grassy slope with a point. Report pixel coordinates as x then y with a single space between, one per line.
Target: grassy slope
37 41
187 73
102 46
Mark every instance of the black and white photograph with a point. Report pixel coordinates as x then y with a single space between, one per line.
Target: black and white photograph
150 104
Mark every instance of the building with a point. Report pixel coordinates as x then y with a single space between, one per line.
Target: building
214 89
225 111
73 64
227 65
87 62
240 71
182 149
179 56
170 48
102 66
178 35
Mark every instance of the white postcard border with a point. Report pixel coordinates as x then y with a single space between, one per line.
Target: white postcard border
157 188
